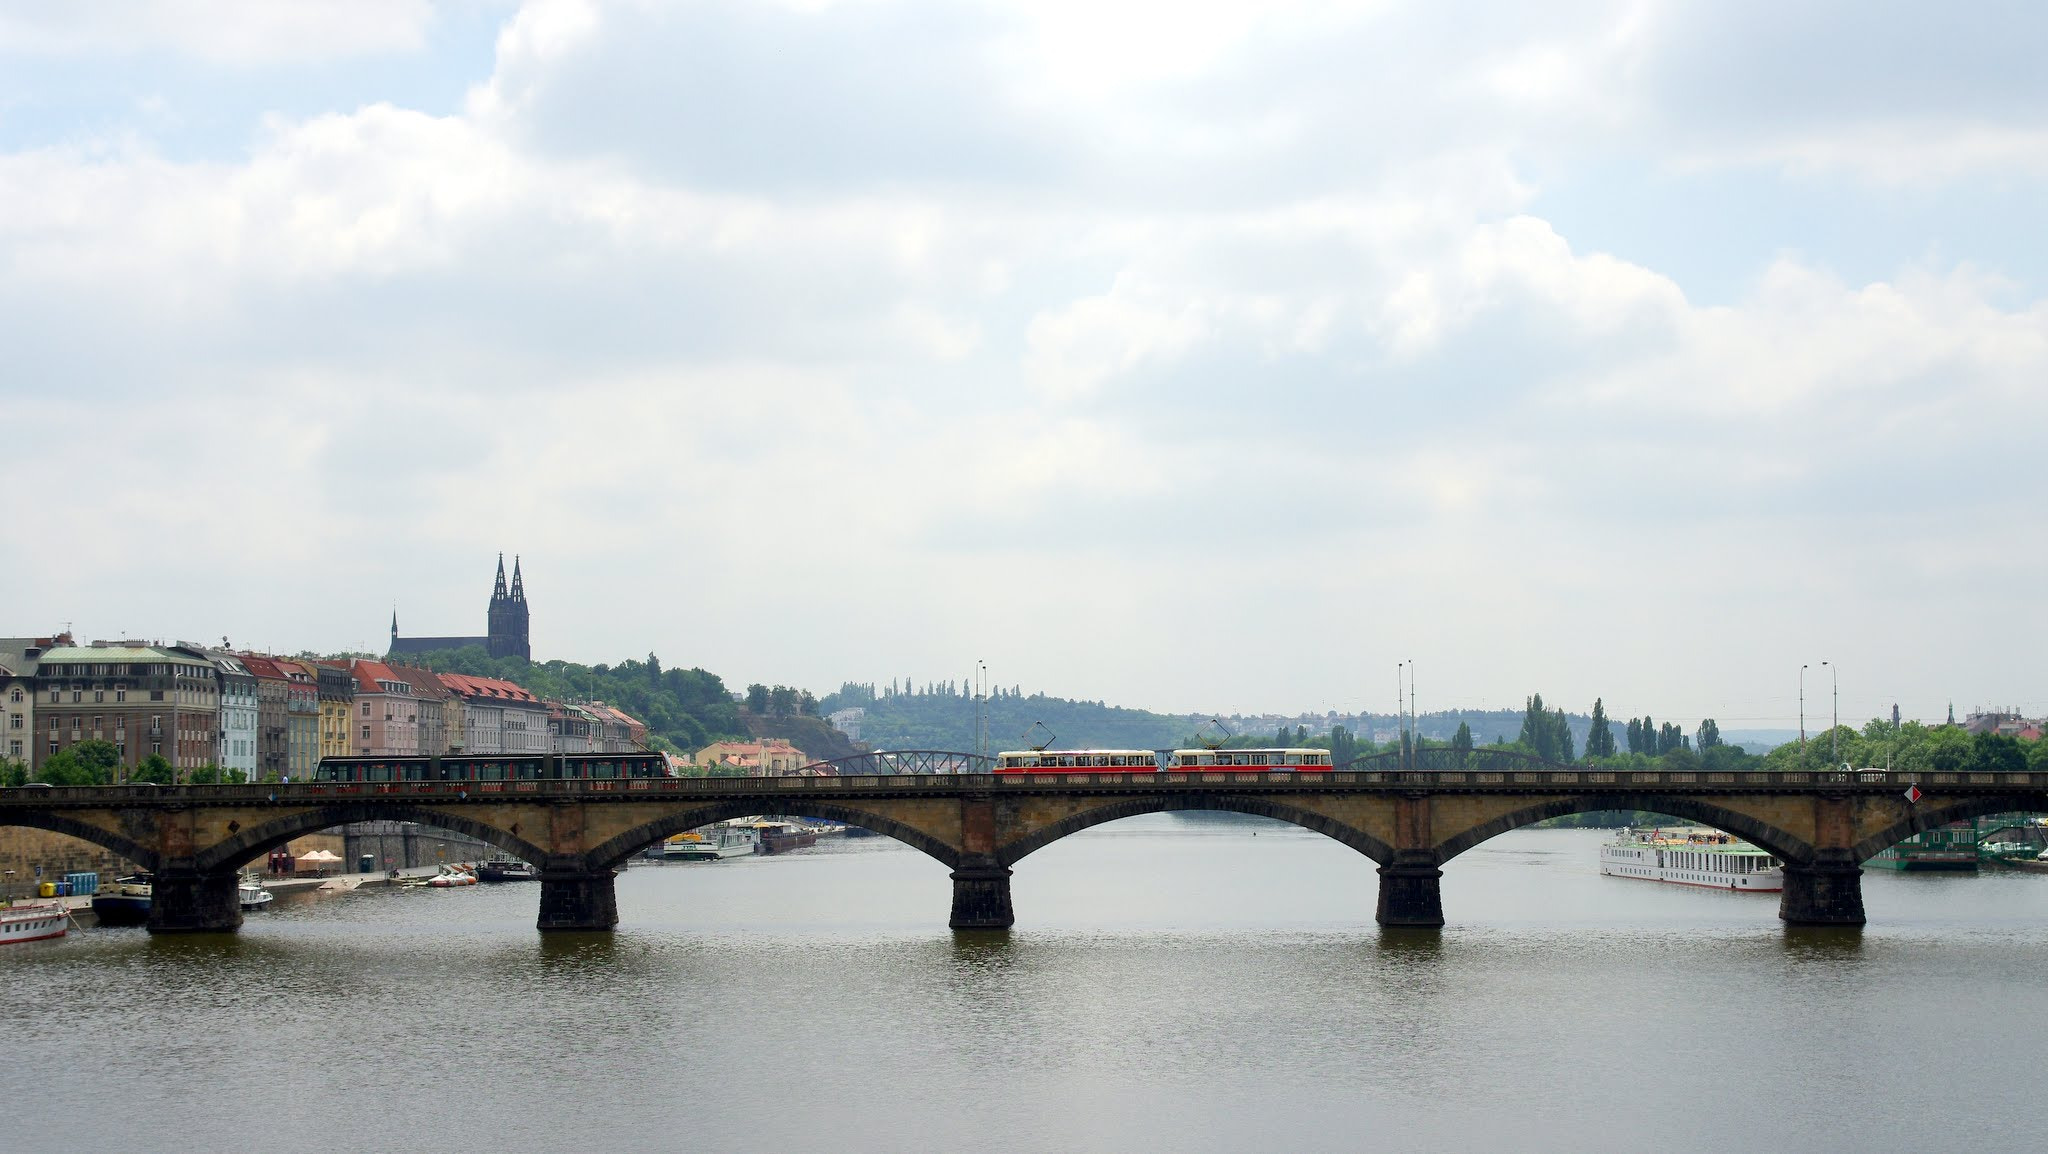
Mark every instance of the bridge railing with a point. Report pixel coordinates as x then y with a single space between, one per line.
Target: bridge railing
1521 778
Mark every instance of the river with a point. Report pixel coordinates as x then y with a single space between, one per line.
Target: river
1174 983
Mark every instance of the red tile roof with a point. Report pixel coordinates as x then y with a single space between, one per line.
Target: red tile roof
369 673
262 666
490 688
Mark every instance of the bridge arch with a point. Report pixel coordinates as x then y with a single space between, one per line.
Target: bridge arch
1784 846
1010 853
71 827
625 845
256 840
1919 821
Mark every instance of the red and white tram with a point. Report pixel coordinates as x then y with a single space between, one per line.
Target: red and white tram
1155 761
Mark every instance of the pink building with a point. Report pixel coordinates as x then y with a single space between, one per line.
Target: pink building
386 717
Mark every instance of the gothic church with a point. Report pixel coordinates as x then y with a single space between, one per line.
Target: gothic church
506 623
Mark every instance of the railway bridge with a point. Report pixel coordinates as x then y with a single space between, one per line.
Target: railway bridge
1408 819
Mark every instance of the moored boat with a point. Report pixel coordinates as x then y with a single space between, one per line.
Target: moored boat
1692 857
1952 847
33 922
507 870
125 902
450 877
712 842
252 895
779 836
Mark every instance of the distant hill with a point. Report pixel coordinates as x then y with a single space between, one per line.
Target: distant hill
943 718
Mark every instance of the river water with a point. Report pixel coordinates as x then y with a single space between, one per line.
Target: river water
1174 983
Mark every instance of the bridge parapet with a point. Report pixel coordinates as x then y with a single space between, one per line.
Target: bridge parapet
1524 780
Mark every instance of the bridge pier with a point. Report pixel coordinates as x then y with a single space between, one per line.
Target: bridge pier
981 898
1411 890
187 901
1826 892
578 900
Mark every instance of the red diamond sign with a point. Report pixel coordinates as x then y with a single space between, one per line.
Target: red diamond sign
1913 794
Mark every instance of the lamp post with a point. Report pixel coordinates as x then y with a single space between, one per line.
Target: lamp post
1401 692
1835 731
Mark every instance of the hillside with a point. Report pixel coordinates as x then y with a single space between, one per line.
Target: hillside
685 709
809 734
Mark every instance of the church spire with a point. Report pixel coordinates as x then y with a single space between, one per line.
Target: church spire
518 584
498 591
394 626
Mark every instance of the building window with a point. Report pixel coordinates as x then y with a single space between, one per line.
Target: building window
53 748
15 696
14 750
120 693
14 721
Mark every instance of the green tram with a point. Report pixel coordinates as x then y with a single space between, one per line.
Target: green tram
493 767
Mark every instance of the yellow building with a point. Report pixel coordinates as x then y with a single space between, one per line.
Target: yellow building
337 698
771 758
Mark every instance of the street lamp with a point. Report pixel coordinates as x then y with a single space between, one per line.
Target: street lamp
1835 733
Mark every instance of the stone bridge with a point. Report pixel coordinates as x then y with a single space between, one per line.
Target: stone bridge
980 825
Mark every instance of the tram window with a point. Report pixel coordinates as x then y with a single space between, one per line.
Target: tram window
1205 759
1115 760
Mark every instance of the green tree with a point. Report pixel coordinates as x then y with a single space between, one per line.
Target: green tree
781 701
1343 747
1600 738
1462 740
12 773
1546 733
1670 737
1710 735
155 768
1996 753
86 763
1635 735
215 775
757 699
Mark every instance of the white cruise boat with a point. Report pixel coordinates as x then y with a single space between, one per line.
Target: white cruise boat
1692 857
32 923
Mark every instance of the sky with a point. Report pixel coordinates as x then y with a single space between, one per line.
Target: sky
1191 356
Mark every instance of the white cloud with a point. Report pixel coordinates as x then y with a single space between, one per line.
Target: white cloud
228 32
1012 332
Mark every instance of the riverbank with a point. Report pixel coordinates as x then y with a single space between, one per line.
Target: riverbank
332 883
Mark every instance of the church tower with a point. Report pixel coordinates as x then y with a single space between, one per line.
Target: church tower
507 617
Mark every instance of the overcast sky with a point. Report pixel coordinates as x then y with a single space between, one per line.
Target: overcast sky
1185 355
